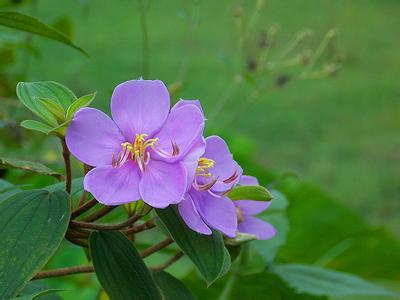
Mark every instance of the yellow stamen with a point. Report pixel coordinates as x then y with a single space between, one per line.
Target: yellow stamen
203 167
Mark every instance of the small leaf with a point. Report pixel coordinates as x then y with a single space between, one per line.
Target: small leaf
250 192
119 268
28 166
29 92
207 252
171 288
79 103
36 126
323 282
54 108
32 226
29 24
37 289
37 295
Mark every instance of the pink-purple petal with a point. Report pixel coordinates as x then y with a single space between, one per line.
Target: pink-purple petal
114 186
140 107
191 217
191 159
218 213
262 230
248 180
163 183
252 207
183 127
225 166
183 102
93 138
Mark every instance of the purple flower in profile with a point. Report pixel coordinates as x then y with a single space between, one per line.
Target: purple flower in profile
247 209
140 153
205 204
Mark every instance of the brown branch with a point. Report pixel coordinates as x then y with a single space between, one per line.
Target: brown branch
83 198
83 208
99 214
77 234
164 243
142 227
77 241
64 271
169 262
67 161
126 223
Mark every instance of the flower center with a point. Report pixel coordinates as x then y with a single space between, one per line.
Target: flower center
203 167
138 151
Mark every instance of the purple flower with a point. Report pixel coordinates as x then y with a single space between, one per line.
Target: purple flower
247 223
205 204
143 151
246 209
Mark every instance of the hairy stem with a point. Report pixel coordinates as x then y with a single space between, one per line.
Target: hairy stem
67 161
64 271
83 208
169 262
142 227
121 225
164 243
99 214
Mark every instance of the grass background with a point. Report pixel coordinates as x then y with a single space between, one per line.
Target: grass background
340 132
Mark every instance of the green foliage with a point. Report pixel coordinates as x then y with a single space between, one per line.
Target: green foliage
207 252
323 282
7 189
247 192
119 268
53 102
171 288
37 289
32 25
28 166
33 224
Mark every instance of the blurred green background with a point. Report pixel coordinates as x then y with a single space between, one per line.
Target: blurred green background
339 130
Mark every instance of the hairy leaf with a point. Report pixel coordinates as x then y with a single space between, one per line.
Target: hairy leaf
171 288
324 282
119 268
207 252
250 192
32 226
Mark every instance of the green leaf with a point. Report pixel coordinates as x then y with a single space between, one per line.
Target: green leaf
207 252
29 92
30 166
119 268
32 226
171 288
32 25
324 282
79 103
250 192
36 126
7 189
37 289
54 108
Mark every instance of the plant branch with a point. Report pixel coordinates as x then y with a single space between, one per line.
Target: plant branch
121 225
142 227
83 208
99 214
64 271
67 161
164 243
77 241
169 262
